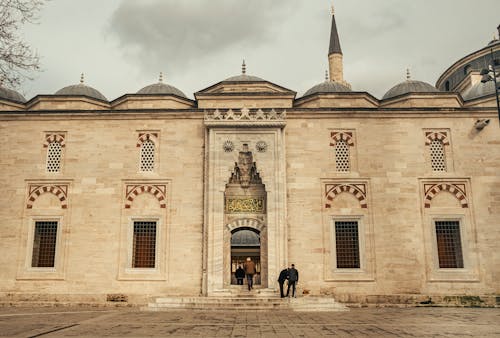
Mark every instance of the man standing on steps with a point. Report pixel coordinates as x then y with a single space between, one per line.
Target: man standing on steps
293 278
249 267
281 280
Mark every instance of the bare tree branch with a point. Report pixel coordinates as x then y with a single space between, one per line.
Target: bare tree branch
17 59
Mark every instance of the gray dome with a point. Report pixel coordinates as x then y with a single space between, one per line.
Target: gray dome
81 89
410 86
11 95
244 78
328 87
478 90
161 88
245 238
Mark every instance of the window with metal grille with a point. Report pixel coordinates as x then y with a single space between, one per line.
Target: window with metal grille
44 244
342 156
144 247
438 158
449 244
54 154
147 156
347 244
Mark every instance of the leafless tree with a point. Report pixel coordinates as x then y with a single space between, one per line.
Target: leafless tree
17 59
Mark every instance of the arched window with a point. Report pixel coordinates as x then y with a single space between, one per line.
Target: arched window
438 157
147 156
54 154
342 156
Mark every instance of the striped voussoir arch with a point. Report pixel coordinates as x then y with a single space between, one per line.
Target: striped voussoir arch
454 189
146 136
337 136
246 223
60 191
49 138
437 135
358 190
158 191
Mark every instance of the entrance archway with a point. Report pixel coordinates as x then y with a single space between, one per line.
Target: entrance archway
245 242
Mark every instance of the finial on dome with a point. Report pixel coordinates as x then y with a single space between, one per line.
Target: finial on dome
161 77
243 67
82 79
408 76
326 75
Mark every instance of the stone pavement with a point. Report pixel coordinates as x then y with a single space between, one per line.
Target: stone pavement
366 322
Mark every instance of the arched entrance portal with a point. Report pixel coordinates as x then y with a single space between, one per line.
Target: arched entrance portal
245 242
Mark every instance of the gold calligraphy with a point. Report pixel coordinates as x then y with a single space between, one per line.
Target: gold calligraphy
244 205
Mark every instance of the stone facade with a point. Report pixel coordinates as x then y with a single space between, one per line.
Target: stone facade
390 170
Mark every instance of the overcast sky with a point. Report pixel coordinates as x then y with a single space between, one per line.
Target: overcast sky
122 45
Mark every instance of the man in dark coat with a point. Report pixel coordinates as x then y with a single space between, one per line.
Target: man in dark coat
293 278
239 274
281 280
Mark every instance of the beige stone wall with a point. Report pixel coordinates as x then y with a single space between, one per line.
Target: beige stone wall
389 158
100 157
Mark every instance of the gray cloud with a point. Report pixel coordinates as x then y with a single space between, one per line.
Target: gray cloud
155 33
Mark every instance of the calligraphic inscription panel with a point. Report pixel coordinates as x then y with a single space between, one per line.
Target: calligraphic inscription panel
245 205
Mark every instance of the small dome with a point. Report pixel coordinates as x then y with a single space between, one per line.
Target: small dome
328 87
81 89
245 238
410 86
244 78
161 88
11 95
479 90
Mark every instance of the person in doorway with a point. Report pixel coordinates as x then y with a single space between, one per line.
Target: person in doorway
239 274
281 280
293 279
249 267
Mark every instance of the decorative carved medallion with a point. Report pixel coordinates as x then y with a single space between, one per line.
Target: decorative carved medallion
228 146
261 146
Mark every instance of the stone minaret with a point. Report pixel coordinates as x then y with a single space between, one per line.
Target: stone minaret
335 54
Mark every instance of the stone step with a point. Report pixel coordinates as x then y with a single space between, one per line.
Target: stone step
249 303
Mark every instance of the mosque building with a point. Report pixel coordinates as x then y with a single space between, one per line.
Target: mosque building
393 200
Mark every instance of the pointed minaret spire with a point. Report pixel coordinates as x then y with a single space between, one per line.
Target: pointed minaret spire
335 58
243 67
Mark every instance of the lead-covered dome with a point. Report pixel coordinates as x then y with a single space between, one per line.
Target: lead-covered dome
479 90
410 86
244 78
81 89
161 88
11 95
328 87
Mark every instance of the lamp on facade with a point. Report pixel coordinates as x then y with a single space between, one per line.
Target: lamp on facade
490 74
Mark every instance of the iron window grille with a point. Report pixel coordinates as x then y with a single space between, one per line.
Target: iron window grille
44 244
347 244
144 246
449 244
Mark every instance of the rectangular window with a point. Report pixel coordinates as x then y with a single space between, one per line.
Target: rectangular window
449 244
347 244
44 244
144 246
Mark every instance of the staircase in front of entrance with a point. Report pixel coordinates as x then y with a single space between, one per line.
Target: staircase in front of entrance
245 301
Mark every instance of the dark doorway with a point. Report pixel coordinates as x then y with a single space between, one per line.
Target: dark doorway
245 242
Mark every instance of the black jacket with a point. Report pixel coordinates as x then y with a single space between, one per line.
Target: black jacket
240 273
283 275
293 275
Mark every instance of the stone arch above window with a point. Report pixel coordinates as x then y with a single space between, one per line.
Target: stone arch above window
358 190
346 136
456 189
143 136
436 135
59 190
54 137
159 191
